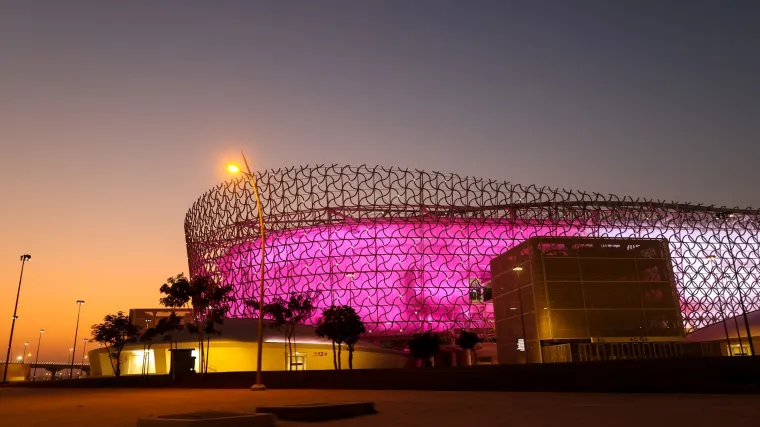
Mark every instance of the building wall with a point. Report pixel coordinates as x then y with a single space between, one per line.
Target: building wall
16 371
588 289
235 356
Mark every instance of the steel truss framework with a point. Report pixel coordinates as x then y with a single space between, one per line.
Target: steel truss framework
407 247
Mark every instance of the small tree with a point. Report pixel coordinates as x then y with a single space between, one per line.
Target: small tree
351 329
210 303
329 327
467 342
176 292
115 332
287 314
425 347
341 324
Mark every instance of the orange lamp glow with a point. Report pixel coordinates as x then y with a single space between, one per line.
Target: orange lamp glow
233 168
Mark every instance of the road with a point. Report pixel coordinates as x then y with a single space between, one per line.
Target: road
22 407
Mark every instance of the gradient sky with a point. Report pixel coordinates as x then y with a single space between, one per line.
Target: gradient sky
116 116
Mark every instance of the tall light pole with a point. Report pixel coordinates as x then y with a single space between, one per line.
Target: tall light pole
24 259
76 332
84 349
235 169
517 270
26 344
37 357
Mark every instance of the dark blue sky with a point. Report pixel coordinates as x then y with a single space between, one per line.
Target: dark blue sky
115 116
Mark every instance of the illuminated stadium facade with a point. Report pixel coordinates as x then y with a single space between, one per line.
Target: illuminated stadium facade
410 249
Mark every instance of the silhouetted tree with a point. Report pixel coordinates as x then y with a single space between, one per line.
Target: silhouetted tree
210 302
424 346
467 342
286 314
329 327
115 332
341 324
176 292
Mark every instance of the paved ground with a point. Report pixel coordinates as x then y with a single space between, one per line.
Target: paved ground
20 407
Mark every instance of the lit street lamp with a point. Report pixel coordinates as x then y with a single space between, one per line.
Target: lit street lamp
26 344
24 259
76 332
236 169
37 358
517 270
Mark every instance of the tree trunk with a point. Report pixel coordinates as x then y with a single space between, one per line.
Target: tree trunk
340 364
474 357
335 361
117 372
110 359
350 357
208 349
290 353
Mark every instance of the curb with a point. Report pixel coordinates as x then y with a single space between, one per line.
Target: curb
209 419
319 411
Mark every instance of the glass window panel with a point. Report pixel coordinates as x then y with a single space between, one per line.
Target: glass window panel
658 295
612 295
654 270
568 324
616 323
663 323
565 295
527 298
562 269
608 269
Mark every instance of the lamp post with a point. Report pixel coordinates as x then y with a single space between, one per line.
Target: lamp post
84 352
517 270
76 332
24 259
26 344
235 169
37 357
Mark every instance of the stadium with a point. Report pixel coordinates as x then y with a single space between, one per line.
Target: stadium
410 249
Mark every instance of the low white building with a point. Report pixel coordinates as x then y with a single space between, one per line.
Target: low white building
235 350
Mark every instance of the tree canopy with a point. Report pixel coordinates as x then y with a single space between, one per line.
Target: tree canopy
115 332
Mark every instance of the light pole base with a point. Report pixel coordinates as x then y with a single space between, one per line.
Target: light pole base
258 387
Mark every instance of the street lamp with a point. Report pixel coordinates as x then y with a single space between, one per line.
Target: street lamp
26 344
37 358
76 332
24 259
84 349
236 169
517 270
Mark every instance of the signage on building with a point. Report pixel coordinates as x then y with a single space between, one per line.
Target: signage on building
521 344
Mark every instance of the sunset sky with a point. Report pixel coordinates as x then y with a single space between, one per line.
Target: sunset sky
116 116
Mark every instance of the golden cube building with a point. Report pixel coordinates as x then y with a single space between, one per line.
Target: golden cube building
550 291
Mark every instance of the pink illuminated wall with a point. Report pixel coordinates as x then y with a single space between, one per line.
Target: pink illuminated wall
402 277
402 246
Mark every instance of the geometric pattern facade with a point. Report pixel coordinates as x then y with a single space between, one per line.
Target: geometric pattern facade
410 250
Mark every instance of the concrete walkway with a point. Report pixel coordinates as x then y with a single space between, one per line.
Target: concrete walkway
25 407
